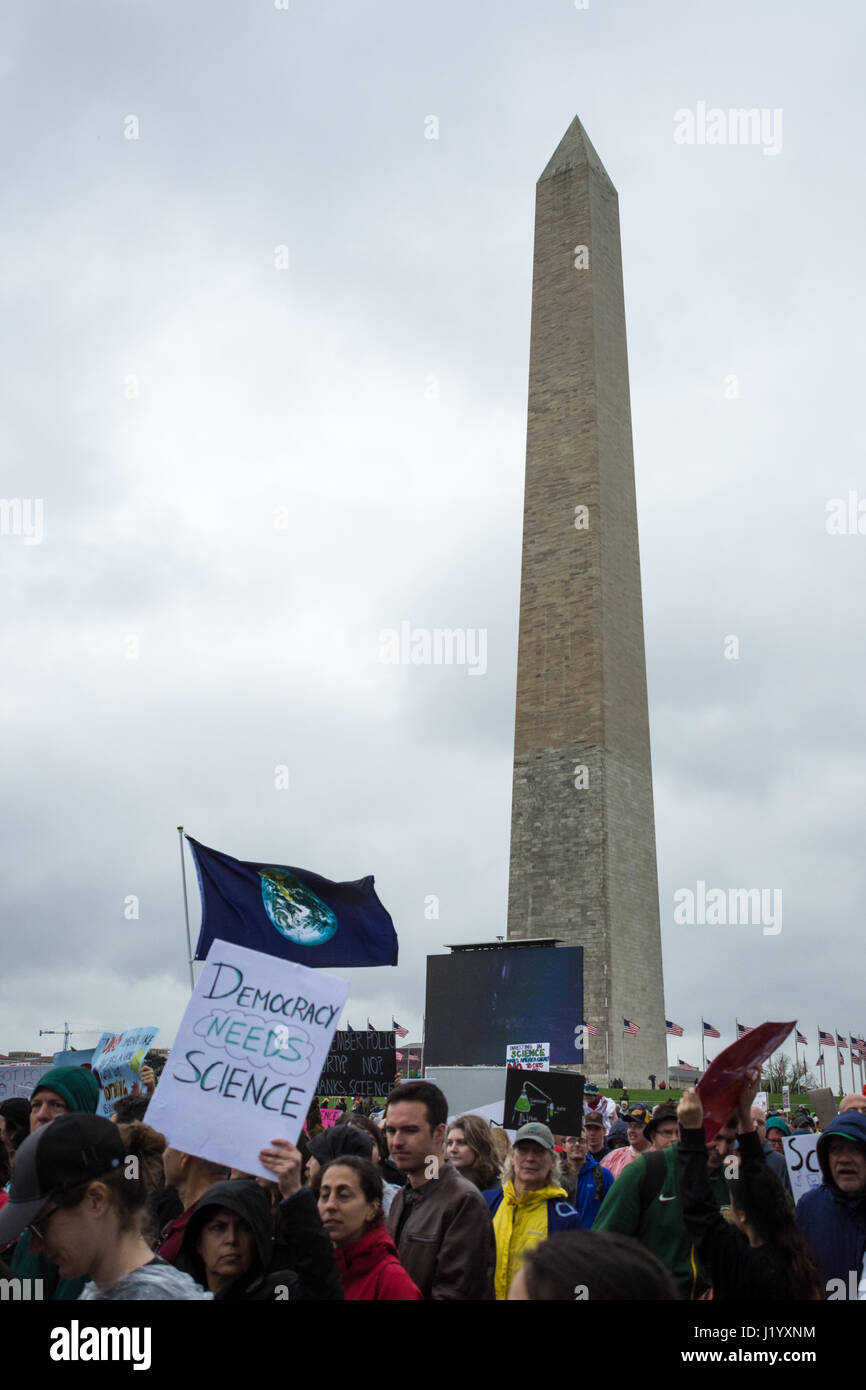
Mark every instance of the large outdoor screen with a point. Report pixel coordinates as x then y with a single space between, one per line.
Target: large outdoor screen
479 1001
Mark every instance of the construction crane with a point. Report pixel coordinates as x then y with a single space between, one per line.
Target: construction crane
67 1033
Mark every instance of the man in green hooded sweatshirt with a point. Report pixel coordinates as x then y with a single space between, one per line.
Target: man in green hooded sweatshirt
61 1091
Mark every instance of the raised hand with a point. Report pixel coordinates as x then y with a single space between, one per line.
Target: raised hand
690 1111
284 1161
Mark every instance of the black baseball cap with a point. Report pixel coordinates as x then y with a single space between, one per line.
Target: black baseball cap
70 1150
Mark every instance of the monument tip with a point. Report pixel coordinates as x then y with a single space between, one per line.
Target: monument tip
574 150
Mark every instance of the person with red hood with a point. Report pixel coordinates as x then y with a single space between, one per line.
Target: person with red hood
350 1205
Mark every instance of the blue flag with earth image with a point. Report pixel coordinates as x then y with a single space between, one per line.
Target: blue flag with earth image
290 913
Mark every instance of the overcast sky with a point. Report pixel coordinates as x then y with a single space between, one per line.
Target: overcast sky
168 388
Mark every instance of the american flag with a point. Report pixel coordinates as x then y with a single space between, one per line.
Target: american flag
401 1032
841 1059
413 1057
688 1066
370 1028
840 1041
590 1028
742 1030
629 1027
674 1029
826 1038
349 1028
801 1039
820 1061
399 1056
710 1031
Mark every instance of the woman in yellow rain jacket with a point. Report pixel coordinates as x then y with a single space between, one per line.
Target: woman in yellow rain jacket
530 1205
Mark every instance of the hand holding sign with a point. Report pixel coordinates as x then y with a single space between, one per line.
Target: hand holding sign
721 1085
690 1112
284 1161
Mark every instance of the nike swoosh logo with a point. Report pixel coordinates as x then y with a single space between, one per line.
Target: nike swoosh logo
668 1199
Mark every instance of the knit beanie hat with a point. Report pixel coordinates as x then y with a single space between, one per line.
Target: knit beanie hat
339 1140
77 1086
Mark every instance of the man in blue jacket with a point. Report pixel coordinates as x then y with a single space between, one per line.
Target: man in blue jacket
587 1181
833 1215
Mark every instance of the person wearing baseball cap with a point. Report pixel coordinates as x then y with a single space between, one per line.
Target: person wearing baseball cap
531 1203
59 1091
83 1204
636 1119
596 1135
833 1216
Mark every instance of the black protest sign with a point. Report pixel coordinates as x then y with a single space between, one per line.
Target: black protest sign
552 1098
359 1064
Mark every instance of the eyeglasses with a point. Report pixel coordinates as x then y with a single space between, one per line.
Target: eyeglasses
43 1219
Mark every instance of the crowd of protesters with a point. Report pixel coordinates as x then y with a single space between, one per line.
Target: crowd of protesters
409 1205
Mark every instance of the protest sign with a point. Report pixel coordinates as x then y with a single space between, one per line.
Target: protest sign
720 1086
554 1099
763 1100
528 1056
74 1057
824 1105
786 1097
117 1060
244 1065
19 1078
360 1064
801 1156
329 1117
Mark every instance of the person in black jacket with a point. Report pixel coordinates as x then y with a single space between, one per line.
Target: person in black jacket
229 1248
760 1254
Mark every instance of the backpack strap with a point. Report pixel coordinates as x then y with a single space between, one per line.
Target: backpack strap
653 1179
598 1179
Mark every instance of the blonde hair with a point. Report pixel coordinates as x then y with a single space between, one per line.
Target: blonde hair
555 1177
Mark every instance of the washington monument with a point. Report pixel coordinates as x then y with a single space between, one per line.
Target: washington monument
583 857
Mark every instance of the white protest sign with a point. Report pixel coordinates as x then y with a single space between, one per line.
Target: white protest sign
117 1060
247 1057
786 1097
19 1078
528 1056
762 1099
801 1156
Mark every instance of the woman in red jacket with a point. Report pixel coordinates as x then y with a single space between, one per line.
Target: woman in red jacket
350 1205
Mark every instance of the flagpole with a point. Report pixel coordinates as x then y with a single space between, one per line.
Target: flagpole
703 1049
186 908
423 1036
851 1059
839 1062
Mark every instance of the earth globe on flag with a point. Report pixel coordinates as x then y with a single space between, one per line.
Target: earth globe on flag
294 909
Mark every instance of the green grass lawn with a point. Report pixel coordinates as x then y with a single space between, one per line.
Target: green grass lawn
660 1097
